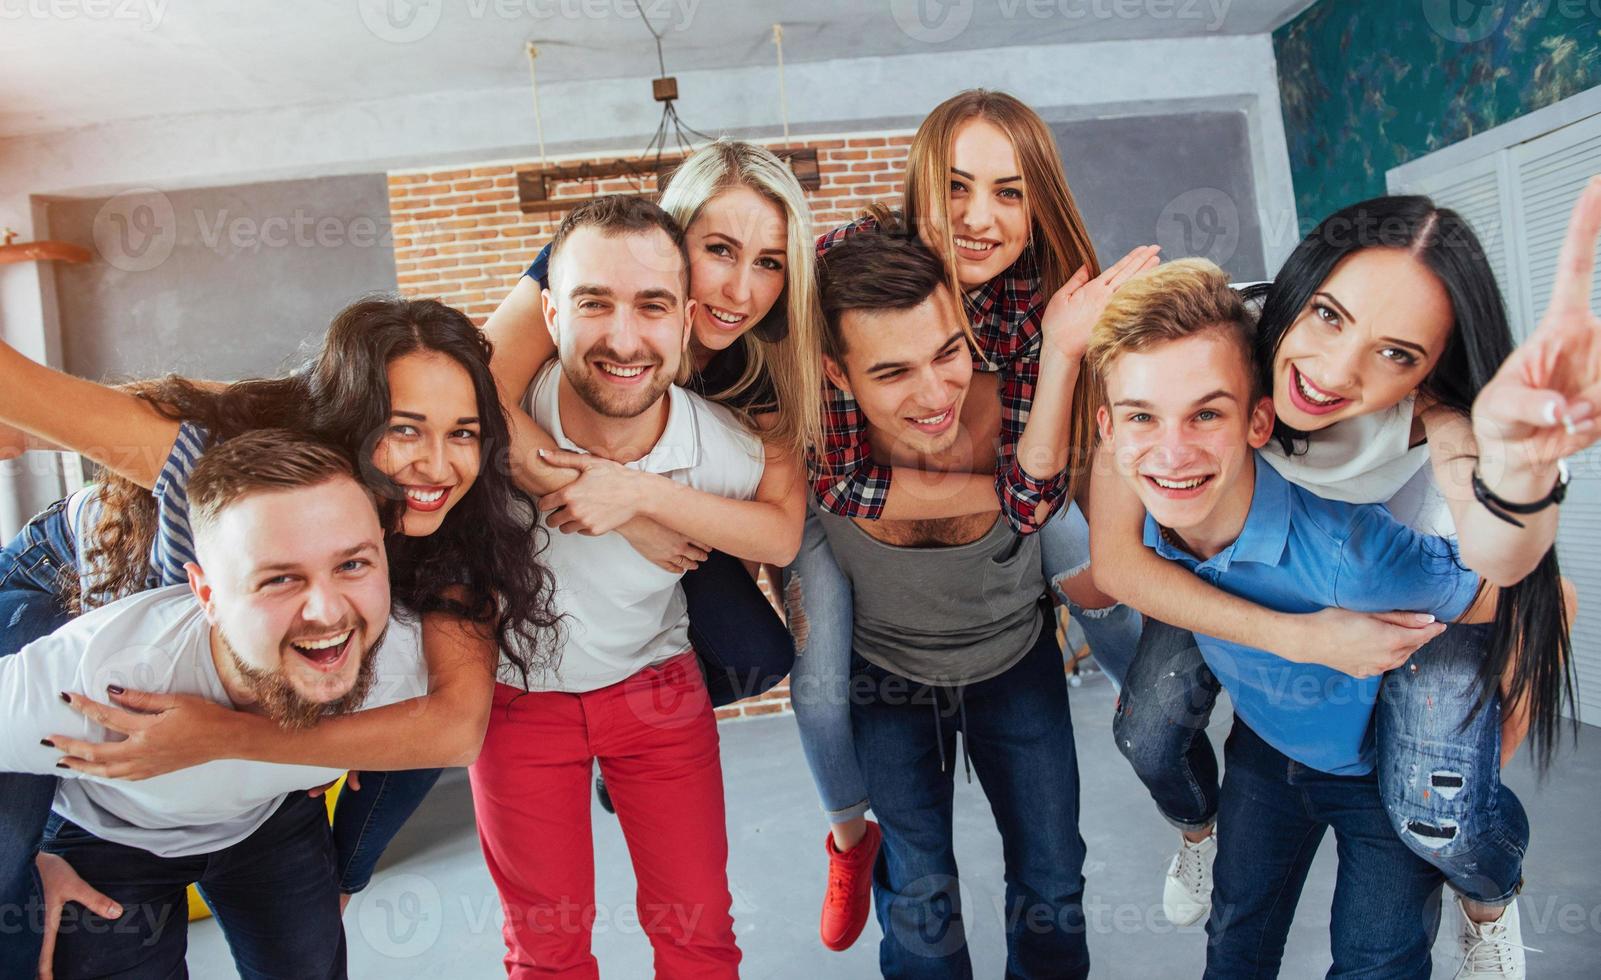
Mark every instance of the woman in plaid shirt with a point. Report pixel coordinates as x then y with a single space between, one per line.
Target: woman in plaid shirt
986 191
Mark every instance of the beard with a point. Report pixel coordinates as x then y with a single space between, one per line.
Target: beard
283 704
605 398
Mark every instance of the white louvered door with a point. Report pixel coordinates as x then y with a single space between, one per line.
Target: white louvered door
1518 198
1548 174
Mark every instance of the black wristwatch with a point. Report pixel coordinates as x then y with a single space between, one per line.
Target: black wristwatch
1504 509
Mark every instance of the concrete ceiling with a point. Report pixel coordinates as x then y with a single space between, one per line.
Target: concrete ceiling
69 64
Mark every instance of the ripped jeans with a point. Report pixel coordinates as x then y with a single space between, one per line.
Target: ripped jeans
818 597
1440 783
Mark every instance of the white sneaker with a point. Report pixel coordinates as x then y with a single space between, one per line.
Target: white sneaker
1187 894
1491 949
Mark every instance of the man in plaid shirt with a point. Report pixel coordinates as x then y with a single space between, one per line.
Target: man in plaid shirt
1006 314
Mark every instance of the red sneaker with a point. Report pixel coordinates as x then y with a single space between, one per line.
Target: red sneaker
850 889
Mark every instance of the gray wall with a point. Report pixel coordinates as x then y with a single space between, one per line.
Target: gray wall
1183 181
218 282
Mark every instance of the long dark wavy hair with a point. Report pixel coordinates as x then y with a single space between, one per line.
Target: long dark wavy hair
481 564
1531 618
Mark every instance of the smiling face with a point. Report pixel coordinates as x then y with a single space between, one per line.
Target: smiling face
909 371
1180 421
988 203
432 446
737 264
296 586
1370 335
617 309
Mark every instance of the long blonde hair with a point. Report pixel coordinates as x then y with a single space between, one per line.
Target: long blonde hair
1057 237
793 362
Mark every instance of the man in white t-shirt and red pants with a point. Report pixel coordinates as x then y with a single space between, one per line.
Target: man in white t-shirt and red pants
626 691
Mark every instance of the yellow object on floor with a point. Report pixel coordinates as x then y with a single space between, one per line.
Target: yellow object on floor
197 905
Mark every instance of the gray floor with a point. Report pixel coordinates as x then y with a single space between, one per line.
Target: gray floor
432 913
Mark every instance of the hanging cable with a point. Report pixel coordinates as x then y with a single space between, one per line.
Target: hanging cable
539 122
660 62
783 100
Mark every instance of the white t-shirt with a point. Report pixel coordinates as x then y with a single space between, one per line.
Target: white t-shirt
1369 459
159 641
621 612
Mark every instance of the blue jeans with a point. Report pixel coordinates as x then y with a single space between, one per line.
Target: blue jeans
818 597
29 567
1113 633
366 820
1440 781
273 893
1273 814
1018 731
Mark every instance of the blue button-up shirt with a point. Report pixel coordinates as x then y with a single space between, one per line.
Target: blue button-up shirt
1299 553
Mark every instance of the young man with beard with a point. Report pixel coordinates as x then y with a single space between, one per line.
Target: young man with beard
627 692
1182 417
952 630
287 614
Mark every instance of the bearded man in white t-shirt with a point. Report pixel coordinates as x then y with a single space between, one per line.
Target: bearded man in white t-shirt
286 613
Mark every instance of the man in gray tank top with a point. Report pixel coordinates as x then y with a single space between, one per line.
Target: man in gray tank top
950 635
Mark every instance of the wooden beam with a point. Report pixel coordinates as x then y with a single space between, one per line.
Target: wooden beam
536 187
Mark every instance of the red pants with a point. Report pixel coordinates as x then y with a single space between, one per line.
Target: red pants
656 741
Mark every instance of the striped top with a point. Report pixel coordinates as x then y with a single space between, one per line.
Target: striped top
174 545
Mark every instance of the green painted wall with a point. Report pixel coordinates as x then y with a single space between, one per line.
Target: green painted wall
1367 85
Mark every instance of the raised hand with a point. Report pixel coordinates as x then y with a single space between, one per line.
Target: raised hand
1072 312
1541 405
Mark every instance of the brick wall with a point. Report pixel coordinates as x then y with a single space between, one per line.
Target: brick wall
460 237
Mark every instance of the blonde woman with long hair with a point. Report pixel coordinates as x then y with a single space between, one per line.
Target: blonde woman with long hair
754 347
985 190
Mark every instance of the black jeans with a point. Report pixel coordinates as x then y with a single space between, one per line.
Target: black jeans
274 894
743 645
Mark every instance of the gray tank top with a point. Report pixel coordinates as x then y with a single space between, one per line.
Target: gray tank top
942 615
